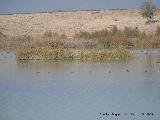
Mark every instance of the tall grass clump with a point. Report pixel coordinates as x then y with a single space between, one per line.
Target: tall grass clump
131 32
3 43
158 31
157 38
49 34
88 35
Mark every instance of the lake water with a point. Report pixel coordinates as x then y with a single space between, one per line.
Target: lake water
80 91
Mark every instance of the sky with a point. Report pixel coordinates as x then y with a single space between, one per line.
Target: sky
27 6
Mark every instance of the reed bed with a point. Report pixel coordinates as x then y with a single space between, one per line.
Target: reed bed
128 38
117 54
106 39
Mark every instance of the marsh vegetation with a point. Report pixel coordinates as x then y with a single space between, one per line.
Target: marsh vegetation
96 46
73 54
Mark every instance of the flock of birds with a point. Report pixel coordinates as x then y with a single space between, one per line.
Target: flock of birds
92 71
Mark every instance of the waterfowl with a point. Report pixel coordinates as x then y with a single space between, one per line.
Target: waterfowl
145 52
109 72
127 70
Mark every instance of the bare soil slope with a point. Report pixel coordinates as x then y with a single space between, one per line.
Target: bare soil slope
69 23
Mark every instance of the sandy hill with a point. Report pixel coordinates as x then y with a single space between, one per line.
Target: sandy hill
70 23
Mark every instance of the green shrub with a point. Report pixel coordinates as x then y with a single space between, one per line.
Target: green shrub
148 11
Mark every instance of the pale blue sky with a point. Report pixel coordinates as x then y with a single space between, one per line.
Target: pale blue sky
21 6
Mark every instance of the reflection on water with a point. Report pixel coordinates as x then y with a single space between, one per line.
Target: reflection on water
80 91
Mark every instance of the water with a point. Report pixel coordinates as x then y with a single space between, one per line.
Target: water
80 91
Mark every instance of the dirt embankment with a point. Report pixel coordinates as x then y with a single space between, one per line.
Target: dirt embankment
69 23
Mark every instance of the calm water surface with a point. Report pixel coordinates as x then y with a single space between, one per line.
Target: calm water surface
80 91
